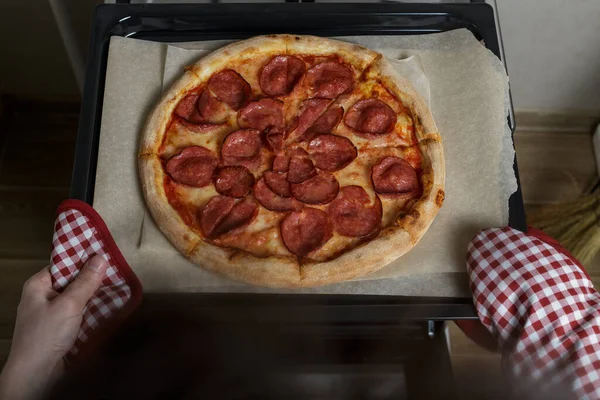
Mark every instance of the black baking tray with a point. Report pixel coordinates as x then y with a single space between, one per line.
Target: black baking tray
196 22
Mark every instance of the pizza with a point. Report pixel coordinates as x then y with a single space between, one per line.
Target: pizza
292 161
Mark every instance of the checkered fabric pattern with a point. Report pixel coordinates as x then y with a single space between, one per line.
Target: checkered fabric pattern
542 308
75 240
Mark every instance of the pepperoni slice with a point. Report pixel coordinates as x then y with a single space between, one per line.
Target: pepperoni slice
200 112
262 115
306 230
192 166
242 213
281 163
242 147
229 87
330 79
352 214
326 123
214 212
331 152
300 167
393 175
371 116
211 109
320 189
274 141
310 112
223 214
186 108
278 183
279 76
234 181
198 127
272 201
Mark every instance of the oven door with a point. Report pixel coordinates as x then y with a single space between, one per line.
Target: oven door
283 351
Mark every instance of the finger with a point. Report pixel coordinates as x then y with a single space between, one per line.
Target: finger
87 282
39 286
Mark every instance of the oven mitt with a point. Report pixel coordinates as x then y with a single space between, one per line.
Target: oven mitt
540 305
79 234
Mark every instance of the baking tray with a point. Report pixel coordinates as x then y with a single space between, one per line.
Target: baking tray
197 22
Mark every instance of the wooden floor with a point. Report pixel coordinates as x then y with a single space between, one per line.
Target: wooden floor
37 142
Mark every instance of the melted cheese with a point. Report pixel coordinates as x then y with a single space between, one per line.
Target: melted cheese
262 236
334 246
194 197
249 67
179 137
403 133
264 220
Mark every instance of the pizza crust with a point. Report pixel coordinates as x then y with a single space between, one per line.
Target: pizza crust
363 260
383 70
156 126
243 50
394 241
275 271
165 216
194 75
417 222
360 57
282 272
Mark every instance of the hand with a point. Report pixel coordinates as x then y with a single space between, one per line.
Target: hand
46 328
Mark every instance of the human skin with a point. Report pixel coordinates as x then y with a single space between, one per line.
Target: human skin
45 330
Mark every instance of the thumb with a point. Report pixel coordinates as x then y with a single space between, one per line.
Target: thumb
88 281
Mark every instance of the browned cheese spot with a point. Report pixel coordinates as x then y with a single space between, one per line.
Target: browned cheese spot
439 198
235 254
413 217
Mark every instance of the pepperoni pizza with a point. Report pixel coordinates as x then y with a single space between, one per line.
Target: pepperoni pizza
292 161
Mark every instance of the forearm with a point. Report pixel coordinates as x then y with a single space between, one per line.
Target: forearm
19 381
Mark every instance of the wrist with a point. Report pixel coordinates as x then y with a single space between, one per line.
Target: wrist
25 380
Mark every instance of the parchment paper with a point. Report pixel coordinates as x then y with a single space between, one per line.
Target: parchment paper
466 87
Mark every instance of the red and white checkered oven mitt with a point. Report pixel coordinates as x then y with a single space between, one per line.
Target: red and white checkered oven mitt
79 234
541 306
